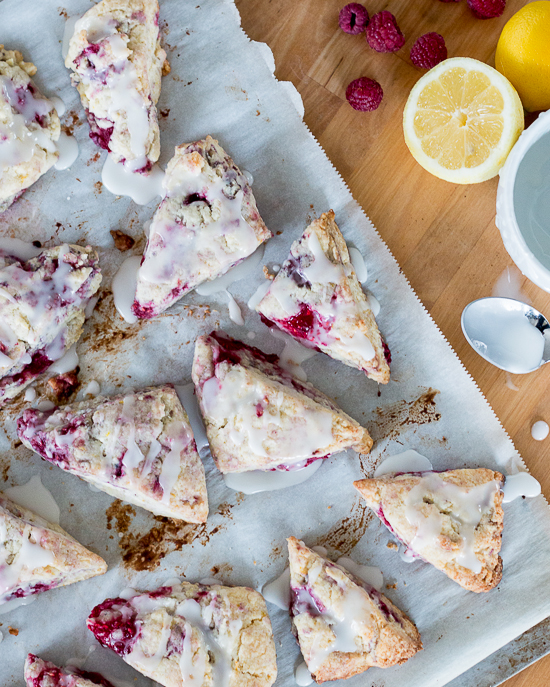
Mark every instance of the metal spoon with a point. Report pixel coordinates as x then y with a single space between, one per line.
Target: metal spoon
496 329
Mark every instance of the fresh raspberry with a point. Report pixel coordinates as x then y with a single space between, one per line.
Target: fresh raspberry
383 34
364 94
428 50
353 18
487 9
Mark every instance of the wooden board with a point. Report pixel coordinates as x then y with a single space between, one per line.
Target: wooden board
443 235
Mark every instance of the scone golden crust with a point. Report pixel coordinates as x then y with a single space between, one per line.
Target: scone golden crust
117 60
206 224
327 601
220 635
138 447
36 555
42 310
317 298
40 673
258 416
451 519
29 127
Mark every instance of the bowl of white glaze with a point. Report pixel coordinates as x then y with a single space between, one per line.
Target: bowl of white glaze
523 202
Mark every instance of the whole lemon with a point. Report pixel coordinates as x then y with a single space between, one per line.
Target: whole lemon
523 54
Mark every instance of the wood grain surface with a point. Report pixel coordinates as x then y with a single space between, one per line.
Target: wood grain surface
443 235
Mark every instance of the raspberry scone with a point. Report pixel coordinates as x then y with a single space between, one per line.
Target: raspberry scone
343 625
138 447
117 62
317 298
451 519
42 310
29 128
191 634
36 555
207 223
259 417
40 673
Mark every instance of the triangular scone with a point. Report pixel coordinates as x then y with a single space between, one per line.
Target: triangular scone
451 519
317 298
191 634
117 62
36 555
29 128
40 673
207 223
259 417
42 310
138 447
344 625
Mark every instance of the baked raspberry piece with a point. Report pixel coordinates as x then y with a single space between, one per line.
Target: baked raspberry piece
428 51
117 61
317 298
487 9
40 673
36 555
206 224
383 33
451 519
343 625
196 634
42 311
353 18
258 416
364 94
138 447
29 128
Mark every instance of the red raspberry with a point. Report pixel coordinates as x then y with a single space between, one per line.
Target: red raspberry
487 9
364 94
383 34
353 18
428 50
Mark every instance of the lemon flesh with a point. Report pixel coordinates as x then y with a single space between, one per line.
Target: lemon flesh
523 54
461 120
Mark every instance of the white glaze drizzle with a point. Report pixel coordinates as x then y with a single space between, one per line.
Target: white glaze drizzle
241 271
171 464
141 188
36 497
293 354
67 147
277 591
258 295
520 484
124 288
358 263
368 573
464 507
18 248
408 461
30 393
66 363
188 398
302 675
235 314
540 430
255 481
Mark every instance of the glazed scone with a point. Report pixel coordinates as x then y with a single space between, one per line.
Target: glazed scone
138 447
29 127
343 625
42 310
191 634
117 60
207 223
259 417
36 555
317 298
40 673
451 519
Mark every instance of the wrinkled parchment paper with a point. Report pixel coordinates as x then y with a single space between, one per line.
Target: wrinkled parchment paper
221 85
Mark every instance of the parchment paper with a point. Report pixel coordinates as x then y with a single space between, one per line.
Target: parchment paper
221 85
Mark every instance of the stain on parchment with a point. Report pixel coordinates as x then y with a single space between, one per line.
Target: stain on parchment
394 419
4 468
122 514
145 551
106 336
344 536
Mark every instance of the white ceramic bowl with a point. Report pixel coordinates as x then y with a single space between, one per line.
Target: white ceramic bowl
523 202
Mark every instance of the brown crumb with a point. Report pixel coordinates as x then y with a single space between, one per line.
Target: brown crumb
64 385
267 274
278 233
123 242
392 545
13 631
98 186
122 513
165 112
166 69
391 586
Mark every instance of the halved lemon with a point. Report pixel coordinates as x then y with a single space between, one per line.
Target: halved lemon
461 120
